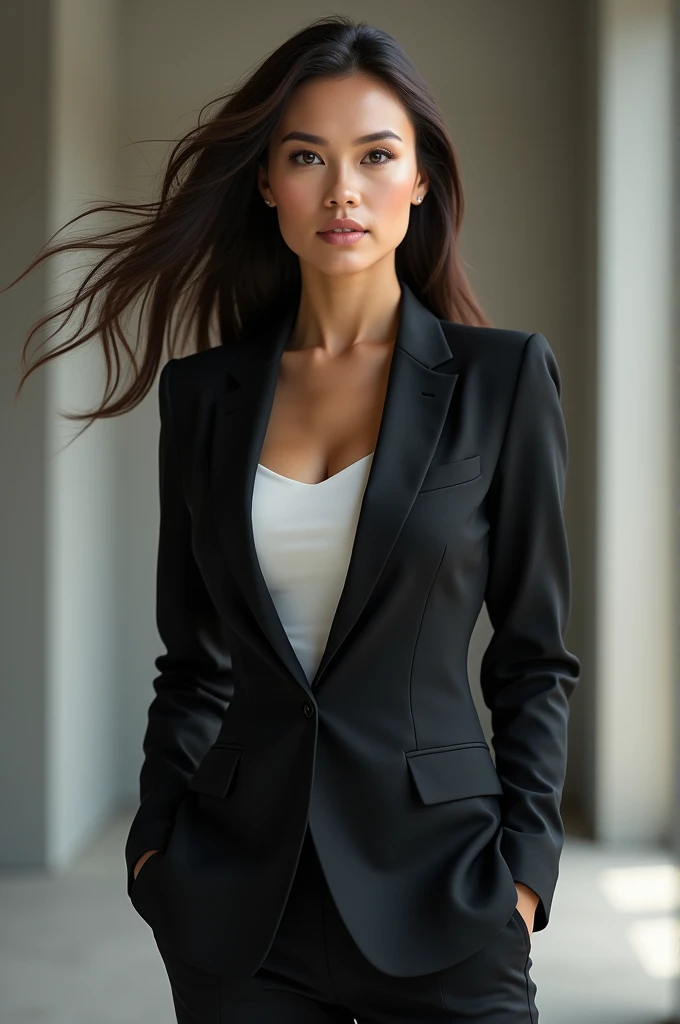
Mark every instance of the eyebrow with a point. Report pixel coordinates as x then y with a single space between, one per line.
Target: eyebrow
319 140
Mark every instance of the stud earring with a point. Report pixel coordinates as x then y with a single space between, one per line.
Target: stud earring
268 202
420 199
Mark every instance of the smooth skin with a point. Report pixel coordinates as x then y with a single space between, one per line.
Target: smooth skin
333 377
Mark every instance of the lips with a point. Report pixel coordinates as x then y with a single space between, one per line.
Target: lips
341 222
342 238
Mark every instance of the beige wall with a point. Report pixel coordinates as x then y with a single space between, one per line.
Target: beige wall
59 741
535 96
636 527
83 740
23 215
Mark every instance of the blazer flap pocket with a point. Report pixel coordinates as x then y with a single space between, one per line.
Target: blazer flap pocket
216 772
453 772
452 473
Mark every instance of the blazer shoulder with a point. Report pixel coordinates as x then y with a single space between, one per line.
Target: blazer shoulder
485 342
203 364
199 373
497 352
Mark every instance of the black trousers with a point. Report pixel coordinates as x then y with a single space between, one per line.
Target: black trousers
315 974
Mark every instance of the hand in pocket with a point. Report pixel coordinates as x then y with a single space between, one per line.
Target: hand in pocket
142 860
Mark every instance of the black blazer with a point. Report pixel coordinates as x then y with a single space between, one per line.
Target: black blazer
420 835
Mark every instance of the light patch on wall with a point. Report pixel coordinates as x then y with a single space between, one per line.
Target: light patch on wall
657 945
649 889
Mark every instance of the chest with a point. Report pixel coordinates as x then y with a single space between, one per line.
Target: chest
326 412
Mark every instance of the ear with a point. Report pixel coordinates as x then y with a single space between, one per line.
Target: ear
422 185
263 182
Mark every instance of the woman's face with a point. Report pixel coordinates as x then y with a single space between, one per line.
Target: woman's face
312 180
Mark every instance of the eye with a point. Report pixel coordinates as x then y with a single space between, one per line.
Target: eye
385 152
310 152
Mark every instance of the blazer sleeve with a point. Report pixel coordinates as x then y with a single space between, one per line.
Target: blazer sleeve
527 675
195 681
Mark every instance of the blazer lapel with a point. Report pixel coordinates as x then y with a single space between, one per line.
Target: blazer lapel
419 390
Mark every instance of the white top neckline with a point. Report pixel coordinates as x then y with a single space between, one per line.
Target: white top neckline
304 536
319 483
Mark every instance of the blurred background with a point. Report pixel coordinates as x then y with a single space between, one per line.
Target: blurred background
565 116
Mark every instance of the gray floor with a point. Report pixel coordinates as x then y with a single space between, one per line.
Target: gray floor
73 950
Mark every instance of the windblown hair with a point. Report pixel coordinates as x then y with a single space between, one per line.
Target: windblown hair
210 248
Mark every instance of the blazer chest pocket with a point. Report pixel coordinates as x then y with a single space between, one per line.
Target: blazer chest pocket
451 473
216 774
453 772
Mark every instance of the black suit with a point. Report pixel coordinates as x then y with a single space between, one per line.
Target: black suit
421 837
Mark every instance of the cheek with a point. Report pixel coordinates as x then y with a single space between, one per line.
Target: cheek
390 201
298 212
394 192
295 197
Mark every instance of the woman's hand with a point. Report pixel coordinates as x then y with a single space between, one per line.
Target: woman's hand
527 901
142 859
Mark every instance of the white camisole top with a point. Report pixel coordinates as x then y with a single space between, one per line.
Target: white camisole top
304 535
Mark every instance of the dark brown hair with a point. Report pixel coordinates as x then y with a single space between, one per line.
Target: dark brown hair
208 247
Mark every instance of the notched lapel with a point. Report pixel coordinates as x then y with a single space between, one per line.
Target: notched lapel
416 403
419 389
239 426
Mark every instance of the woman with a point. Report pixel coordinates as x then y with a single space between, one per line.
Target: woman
360 462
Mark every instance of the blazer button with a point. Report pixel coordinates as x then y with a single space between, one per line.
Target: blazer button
308 709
